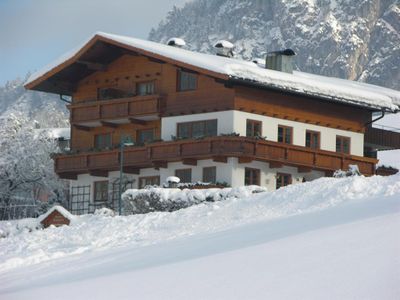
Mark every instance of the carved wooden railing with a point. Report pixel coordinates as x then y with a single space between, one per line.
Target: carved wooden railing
246 149
115 109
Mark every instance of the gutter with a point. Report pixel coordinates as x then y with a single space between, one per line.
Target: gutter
374 120
65 100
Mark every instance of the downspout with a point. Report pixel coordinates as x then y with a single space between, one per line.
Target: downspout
369 123
378 118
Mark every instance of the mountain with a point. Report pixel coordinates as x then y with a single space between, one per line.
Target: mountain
353 39
45 109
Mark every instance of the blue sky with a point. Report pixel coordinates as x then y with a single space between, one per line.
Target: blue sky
35 32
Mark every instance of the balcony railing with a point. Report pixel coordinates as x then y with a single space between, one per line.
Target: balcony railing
383 139
124 108
218 148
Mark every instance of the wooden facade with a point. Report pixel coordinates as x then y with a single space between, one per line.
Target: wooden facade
104 64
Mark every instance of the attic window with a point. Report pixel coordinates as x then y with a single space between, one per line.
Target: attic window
145 88
111 93
186 81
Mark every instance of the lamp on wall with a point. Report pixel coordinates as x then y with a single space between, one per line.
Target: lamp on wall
125 140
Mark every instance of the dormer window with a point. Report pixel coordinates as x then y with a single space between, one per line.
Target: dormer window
145 88
187 81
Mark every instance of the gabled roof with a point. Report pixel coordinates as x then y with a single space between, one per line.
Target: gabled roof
102 48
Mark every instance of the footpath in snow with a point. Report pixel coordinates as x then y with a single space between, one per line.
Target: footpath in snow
326 239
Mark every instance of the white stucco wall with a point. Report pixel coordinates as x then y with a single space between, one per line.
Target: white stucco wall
235 121
270 130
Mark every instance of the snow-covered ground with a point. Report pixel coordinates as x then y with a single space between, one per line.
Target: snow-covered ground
326 239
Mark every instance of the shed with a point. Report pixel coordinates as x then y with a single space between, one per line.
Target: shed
56 216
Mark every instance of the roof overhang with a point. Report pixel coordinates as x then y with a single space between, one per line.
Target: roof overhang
94 56
331 98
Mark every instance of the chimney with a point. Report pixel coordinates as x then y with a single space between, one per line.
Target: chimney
176 42
224 48
280 60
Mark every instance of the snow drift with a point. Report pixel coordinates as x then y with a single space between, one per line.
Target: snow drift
90 233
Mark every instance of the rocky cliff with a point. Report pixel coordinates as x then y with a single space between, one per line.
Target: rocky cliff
354 39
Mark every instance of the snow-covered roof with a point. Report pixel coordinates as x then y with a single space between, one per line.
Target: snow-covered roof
328 88
176 42
223 44
65 213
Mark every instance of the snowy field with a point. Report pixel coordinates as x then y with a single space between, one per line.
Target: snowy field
327 239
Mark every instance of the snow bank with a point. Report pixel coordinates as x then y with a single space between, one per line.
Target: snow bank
171 199
97 232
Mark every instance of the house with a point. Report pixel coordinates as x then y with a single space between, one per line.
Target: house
202 117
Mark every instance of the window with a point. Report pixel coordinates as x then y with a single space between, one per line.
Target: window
111 93
285 134
145 88
342 144
210 174
186 81
149 180
100 191
197 129
283 180
251 176
185 175
312 139
102 141
145 135
253 128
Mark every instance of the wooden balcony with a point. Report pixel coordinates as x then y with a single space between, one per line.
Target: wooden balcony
117 110
218 148
385 138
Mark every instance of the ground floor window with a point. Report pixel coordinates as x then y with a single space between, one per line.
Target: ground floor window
100 191
210 174
251 176
283 179
149 180
185 175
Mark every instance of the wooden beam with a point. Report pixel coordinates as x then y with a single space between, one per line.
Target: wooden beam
221 159
152 59
109 124
131 170
190 161
99 173
83 128
70 176
275 165
160 164
137 121
304 169
245 160
92 65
